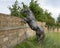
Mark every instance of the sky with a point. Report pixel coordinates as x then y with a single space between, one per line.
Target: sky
52 6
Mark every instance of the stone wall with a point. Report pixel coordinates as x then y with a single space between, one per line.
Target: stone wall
11 37
12 31
9 21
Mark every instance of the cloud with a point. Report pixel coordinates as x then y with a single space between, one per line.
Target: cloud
54 3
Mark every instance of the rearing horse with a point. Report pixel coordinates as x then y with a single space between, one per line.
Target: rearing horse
30 20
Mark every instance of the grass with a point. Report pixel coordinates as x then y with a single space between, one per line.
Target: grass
52 40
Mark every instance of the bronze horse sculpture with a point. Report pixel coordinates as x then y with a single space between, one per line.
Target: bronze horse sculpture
31 21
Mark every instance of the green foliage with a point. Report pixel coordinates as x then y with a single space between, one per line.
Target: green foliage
40 14
51 40
57 25
49 19
37 10
15 9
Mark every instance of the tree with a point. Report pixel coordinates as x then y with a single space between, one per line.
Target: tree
58 19
58 22
15 9
37 10
41 15
50 22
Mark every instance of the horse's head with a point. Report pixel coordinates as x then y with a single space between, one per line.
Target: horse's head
25 11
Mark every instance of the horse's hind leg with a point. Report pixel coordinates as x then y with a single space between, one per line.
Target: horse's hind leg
42 36
38 37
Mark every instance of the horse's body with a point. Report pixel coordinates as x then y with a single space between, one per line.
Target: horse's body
30 20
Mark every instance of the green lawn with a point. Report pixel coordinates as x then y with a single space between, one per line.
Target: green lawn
52 40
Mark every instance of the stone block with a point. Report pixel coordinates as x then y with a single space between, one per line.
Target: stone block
4 47
5 39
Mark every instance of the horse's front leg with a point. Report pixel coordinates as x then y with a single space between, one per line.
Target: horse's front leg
24 20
